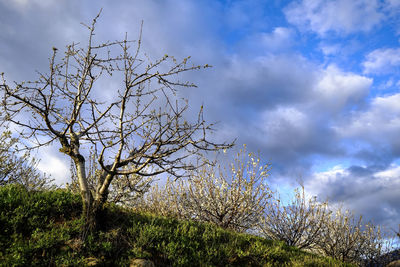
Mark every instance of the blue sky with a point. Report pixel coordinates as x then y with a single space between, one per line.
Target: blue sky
313 85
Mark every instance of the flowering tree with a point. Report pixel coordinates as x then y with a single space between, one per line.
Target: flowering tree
231 197
162 200
347 238
20 169
308 224
300 223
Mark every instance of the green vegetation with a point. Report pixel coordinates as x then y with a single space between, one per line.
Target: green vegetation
43 228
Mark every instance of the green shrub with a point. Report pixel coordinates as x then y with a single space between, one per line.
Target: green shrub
32 224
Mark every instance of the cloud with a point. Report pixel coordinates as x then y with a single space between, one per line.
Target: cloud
371 133
243 14
370 191
330 49
392 6
23 6
280 38
382 61
378 124
286 128
55 164
266 81
339 16
288 106
266 89
338 90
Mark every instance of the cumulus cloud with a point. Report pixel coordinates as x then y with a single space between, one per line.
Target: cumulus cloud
287 105
266 81
378 124
339 16
371 191
372 134
382 61
337 89
286 128
279 39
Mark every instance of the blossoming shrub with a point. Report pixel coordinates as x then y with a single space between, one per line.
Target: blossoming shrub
309 224
345 237
232 197
299 223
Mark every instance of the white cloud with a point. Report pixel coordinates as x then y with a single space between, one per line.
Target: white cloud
294 105
53 163
382 60
380 123
280 38
387 175
24 5
320 181
330 49
337 89
340 16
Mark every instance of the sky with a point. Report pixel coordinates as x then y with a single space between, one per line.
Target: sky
312 85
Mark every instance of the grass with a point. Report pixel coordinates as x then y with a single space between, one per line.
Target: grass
44 228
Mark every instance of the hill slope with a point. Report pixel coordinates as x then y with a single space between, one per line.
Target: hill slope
43 228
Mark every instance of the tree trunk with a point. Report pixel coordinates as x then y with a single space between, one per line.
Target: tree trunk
93 205
90 207
91 213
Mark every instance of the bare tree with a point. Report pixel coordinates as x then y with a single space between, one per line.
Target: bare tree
300 223
125 189
141 129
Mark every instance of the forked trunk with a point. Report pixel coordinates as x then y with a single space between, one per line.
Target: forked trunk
91 206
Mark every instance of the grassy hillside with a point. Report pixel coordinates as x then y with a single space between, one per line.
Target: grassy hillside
43 229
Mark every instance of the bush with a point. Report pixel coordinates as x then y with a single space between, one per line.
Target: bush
347 238
43 229
299 224
32 227
308 224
